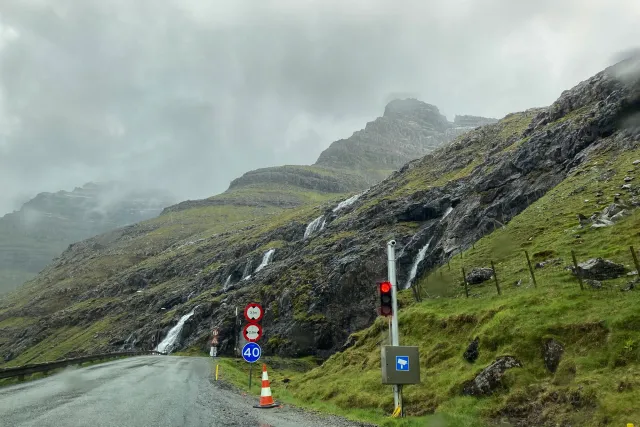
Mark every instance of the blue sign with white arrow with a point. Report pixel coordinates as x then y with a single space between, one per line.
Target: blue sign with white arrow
251 352
402 363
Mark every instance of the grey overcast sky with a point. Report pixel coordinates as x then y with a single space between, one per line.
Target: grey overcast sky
189 94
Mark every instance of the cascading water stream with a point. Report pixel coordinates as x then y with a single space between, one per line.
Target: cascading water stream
346 203
446 213
266 259
315 225
246 275
169 342
414 267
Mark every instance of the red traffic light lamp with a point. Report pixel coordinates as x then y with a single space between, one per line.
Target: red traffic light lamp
386 306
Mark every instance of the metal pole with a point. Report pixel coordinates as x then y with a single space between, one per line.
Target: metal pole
235 335
391 252
395 335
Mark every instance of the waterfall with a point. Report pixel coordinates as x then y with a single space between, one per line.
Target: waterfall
246 275
416 263
315 225
168 343
266 259
227 283
351 200
446 213
346 203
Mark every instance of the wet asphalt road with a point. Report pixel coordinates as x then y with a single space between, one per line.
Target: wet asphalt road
154 391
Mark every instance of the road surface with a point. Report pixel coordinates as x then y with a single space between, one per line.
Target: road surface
153 391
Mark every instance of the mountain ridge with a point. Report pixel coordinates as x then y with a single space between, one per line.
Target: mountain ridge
46 224
418 125
131 285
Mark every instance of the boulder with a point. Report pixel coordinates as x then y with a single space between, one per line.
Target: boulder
472 352
478 275
552 352
583 220
490 379
593 284
609 215
599 269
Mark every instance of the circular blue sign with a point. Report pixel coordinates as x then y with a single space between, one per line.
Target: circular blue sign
251 352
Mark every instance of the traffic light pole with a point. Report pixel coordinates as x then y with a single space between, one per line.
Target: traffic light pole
395 334
391 258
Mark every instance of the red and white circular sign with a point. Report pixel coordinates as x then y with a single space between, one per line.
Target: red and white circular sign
252 332
253 312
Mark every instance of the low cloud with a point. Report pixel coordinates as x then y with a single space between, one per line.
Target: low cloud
187 95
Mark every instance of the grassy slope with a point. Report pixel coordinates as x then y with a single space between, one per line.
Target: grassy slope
148 249
600 329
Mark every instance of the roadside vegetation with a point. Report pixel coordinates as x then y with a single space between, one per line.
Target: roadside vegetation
597 381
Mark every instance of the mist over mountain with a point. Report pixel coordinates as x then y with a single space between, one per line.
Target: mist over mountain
187 95
33 236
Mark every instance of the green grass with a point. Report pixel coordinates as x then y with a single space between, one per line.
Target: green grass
548 229
236 372
600 329
604 356
65 341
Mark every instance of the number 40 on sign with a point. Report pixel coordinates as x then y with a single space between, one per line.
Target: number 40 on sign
251 352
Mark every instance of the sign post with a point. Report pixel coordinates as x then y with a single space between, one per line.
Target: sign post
252 332
214 343
395 335
400 364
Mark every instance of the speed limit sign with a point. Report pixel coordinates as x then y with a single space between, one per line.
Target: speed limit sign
251 352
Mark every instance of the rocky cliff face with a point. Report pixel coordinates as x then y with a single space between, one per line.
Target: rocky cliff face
45 225
409 129
129 286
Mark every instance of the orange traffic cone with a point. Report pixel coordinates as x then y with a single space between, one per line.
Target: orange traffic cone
266 400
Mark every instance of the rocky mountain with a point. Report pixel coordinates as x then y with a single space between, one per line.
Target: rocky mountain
408 129
45 225
127 287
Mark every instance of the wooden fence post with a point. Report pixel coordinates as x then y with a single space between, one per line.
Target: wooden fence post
533 276
464 278
635 260
416 292
575 265
495 276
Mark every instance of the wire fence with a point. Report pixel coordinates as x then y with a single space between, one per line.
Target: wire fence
466 278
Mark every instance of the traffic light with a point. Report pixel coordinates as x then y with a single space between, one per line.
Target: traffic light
386 307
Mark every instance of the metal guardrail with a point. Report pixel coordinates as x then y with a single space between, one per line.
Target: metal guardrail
21 371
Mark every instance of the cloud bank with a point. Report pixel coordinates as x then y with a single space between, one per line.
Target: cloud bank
187 95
